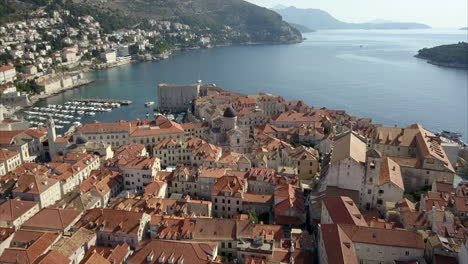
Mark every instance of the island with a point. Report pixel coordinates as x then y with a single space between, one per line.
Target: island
464 28
454 55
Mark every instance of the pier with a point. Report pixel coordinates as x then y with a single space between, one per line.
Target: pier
98 100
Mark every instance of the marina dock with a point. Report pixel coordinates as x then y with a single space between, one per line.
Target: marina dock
98 100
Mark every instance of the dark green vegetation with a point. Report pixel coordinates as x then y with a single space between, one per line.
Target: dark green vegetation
248 22
228 21
29 87
301 28
319 19
416 196
454 55
257 218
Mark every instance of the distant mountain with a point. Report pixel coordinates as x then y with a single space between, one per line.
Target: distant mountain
381 21
464 28
319 19
254 23
244 22
279 6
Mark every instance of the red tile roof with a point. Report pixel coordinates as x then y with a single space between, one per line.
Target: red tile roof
230 185
461 204
111 220
14 208
268 232
390 172
6 68
339 248
6 154
162 252
343 210
7 137
258 198
288 197
52 257
33 184
35 244
384 237
172 227
53 218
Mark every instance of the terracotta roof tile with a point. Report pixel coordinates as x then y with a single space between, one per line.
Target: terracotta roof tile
111 220
6 154
52 257
349 146
36 243
343 210
160 251
12 209
339 248
390 172
384 237
257 198
53 218
229 184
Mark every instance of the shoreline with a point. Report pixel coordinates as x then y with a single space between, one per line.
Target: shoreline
172 52
453 65
39 97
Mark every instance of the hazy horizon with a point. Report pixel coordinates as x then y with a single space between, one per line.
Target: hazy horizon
435 13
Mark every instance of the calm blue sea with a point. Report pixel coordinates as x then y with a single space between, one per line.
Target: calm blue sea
368 73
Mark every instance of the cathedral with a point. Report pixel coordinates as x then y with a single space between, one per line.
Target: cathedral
225 133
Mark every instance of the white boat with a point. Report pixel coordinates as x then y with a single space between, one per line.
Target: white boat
81 112
91 113
149 103
76 123
170 117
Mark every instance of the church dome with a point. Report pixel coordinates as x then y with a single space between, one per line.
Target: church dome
229 112
81 140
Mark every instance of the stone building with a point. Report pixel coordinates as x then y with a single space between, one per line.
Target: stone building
228 195
346 169
115 227
31 187
139 172
178 98
9 160
383 182
15 212
418 152
225 133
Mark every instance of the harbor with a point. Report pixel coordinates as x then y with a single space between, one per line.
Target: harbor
76 112
103 101
71 112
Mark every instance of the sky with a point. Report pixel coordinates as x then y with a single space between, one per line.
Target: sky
435 13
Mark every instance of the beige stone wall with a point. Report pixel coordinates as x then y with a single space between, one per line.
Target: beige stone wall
346 174
378 254
225 206
395 151
415 179
51 195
